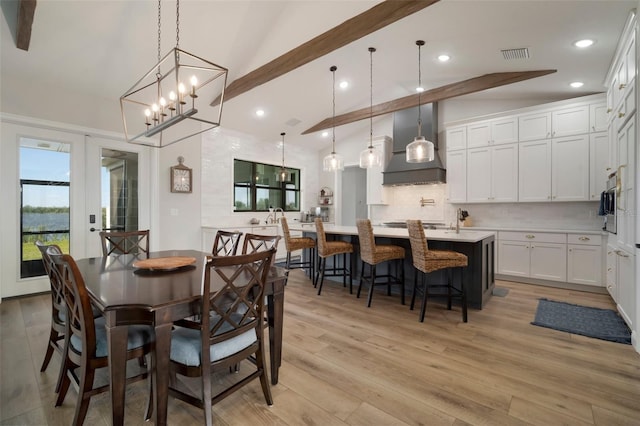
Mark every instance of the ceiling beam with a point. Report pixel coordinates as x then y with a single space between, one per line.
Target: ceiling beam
452 90
377 17
26 10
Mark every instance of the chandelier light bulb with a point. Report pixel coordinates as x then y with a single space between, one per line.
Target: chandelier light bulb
147 112
181 88
172 96
163 102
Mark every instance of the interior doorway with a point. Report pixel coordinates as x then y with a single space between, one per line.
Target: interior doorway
354 195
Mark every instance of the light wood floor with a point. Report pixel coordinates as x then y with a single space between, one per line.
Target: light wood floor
344 364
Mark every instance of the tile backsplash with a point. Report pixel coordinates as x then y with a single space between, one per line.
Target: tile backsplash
405 204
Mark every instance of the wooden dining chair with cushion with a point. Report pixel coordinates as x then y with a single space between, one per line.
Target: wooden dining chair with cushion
58 311
124 242
86 338
373 255
299 243
254 243
330 249
233 293
226 243
426 260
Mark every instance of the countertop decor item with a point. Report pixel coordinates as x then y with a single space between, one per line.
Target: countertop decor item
371 156
160 100
420 150
164 263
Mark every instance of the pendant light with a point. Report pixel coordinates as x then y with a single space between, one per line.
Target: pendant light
333 161
420 150
283 174
371 156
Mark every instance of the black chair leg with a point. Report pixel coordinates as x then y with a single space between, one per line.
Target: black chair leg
415 285
323 264
362 278
372 284
464 296
401 263
423 308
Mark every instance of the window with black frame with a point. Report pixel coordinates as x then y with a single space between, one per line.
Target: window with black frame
256 187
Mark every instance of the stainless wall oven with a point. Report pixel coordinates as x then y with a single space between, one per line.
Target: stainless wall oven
609 201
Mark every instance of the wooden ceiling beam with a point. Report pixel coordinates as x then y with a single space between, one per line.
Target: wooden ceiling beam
26 10
377 17
452 90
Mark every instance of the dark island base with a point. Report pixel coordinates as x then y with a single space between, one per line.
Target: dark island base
479 276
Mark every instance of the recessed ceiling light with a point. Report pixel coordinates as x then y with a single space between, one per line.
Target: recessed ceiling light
260 112
325 134
344 84
583 43
576 84
444 58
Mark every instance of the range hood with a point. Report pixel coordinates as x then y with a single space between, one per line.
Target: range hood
405 129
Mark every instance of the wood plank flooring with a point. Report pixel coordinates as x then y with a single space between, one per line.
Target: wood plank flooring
344 364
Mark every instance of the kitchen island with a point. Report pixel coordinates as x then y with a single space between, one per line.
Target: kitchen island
479 246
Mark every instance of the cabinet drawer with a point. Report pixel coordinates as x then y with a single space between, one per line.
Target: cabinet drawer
544 237
584 239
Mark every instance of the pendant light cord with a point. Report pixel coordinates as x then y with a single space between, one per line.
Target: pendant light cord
333 120
420 43
177 23
371 50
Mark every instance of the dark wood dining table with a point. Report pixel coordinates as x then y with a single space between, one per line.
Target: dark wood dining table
128 295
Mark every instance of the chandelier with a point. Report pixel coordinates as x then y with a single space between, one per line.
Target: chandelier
333 161
165 100
371 156
420 150
283 174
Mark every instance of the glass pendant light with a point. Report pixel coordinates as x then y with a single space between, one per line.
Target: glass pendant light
333 161
371 156
283 174
420 150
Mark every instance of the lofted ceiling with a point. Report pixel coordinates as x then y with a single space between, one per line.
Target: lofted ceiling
103 47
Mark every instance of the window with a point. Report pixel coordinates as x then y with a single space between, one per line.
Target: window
44 209
255 188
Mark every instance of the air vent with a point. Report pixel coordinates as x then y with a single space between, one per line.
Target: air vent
293 122
520 53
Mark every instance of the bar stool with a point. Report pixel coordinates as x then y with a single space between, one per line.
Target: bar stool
332 248
299 243
373 254
426 261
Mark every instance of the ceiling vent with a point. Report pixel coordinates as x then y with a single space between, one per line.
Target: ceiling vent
293 122
520 53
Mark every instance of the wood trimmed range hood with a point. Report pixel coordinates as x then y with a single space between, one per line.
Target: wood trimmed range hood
405 129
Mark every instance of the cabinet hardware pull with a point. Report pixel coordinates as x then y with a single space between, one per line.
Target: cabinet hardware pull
621 254
584 238
622 86
609 110
620 114
593 128
530 236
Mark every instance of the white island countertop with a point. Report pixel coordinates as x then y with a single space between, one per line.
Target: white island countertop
385 232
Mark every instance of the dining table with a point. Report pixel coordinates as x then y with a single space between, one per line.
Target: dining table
128 294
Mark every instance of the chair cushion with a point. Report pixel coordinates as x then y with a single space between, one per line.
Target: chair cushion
434 260
186 344
139 335
299 243
336 247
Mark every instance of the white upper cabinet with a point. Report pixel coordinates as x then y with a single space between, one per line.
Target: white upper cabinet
457 176
570 168
599 165
534 126
570 121
598 117
456 138
492 132
492 174
534 176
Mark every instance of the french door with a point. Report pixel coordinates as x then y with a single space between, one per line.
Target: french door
52 190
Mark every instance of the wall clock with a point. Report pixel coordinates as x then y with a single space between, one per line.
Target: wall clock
181 177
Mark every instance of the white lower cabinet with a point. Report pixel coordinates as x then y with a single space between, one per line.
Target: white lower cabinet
612 272
626 286
539 255
584 259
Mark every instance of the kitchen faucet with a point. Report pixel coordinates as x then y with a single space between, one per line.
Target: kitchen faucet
269 219
275 214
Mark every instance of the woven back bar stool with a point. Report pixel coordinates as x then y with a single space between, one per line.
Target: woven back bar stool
374 254
299 243
426 261
328 249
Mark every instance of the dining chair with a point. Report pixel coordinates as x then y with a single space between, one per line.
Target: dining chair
124 242
299 243
330 249
86 338
233 294
427 260
58 311
373 254
226 243
254 243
